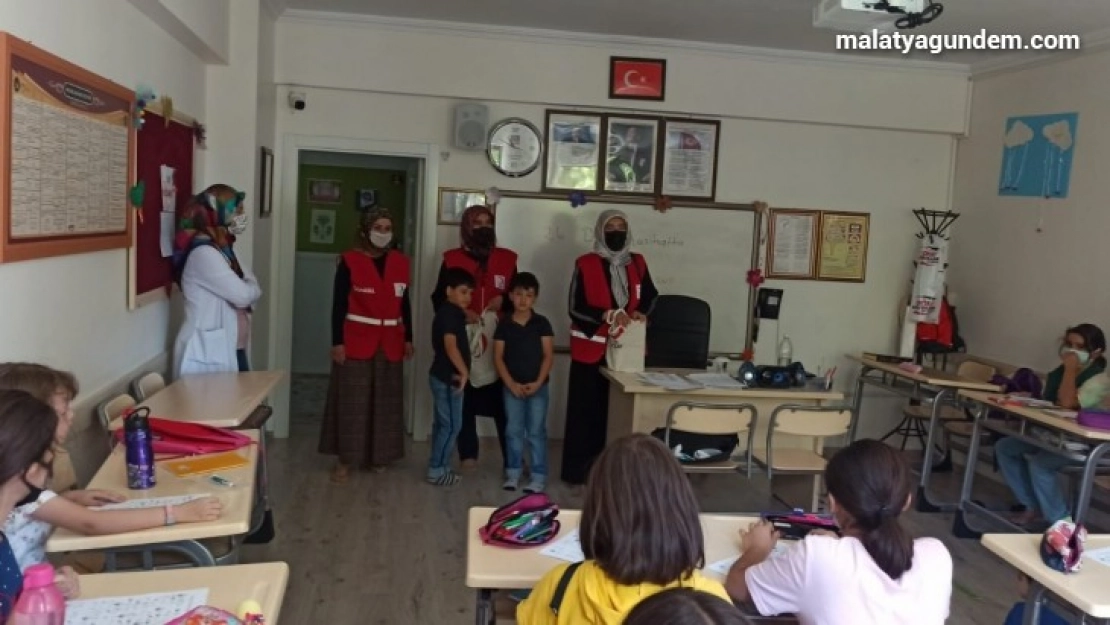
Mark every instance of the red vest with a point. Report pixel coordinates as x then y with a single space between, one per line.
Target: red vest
374 307
592 270
494 281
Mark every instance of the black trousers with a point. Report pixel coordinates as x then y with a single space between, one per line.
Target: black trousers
587 420
485 402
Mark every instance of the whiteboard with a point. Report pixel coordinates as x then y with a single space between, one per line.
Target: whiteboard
699 252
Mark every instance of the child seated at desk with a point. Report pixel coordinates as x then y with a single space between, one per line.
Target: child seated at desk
877 574
640 533
29 525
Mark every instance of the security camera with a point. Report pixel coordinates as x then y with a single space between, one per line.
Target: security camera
297 100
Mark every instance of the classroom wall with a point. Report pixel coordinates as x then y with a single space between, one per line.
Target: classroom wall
263 228
1026 268
391 94
71 311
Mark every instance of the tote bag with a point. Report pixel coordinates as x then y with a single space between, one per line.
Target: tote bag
626 348
482 370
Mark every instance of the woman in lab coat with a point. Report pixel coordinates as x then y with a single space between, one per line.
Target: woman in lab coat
219 291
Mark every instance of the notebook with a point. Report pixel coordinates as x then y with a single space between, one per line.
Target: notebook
200 465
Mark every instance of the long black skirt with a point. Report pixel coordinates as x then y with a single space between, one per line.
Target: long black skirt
587 420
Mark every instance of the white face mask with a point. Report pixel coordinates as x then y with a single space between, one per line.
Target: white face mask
380 240
238 223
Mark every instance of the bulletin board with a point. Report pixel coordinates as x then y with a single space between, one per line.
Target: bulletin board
150 274
66 155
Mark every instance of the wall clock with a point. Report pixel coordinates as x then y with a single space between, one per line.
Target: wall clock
515 147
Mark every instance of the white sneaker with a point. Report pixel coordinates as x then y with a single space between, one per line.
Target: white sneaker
535 486
511 483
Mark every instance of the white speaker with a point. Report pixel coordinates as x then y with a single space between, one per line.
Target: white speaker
471 126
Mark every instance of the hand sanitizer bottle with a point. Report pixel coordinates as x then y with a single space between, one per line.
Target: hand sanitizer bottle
786 351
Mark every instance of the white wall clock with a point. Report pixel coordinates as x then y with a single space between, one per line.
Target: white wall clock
515 147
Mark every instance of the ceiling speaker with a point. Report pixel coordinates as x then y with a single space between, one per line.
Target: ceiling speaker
471 126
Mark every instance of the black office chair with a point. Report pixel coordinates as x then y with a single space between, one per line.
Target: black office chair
678 334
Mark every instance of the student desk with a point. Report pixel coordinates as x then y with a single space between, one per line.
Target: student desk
1063 430
490 568
1083 591
636 406
228 586
931 386
184 538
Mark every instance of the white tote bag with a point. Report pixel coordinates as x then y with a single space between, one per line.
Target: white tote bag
482 370
626 348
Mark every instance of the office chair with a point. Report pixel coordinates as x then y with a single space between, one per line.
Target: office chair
678 334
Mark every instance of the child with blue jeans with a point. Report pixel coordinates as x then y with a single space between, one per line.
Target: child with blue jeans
523 352
449 373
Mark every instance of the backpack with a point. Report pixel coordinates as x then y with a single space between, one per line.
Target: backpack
186 438
528 521
697 448
1024 381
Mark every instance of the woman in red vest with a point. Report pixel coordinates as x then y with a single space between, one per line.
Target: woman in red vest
611 286
493 268
371 336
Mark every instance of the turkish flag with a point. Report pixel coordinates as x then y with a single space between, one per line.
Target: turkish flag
637 78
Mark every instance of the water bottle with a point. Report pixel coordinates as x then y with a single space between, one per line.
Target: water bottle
40 603
140 449
786 351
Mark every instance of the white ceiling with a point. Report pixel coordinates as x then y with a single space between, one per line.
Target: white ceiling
778 24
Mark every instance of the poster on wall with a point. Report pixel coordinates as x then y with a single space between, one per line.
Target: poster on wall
572 154
690 159
630 154
1037 155
322 231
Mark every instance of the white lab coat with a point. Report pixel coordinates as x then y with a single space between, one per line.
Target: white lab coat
208 337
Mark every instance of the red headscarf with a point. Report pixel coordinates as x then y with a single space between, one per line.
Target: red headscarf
469 219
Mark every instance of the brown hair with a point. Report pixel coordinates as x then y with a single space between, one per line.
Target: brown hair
40 381
684 606
871 482
640 517
27 427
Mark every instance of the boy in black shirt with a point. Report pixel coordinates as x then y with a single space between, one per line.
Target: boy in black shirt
449 373
523 352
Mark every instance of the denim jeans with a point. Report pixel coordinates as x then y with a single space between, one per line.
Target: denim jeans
447 405
1031 473
526 421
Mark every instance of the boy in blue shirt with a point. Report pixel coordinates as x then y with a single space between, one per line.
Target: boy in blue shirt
449 373
523 352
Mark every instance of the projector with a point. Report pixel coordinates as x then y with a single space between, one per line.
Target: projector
863 16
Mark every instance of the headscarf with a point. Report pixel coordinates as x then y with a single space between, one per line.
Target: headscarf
204 222
366 223
618 259
467 226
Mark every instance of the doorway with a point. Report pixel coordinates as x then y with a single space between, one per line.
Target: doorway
317 221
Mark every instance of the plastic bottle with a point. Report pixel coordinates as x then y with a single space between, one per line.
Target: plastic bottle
786 351
140 450
40 603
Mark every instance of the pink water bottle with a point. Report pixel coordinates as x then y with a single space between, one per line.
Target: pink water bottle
40 603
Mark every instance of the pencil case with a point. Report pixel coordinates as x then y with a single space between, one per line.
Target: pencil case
797 524
1094 419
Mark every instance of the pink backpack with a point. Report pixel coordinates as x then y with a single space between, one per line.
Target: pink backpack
187 439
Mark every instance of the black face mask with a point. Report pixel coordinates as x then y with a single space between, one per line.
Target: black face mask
32 496
615 239
484 237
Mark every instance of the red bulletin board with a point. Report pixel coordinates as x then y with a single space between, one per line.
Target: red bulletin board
151 275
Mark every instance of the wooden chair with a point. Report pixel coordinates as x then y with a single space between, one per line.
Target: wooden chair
700 418
816 422
915 418
146 385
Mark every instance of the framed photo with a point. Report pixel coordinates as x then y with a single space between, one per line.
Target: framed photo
322 227
266 183
631 146
792 243
637 79
452 203
690 149
572 158
843 246
367 199
325 191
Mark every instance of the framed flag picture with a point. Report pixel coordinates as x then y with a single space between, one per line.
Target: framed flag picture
637 79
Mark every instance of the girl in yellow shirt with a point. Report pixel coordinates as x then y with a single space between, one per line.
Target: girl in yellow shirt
640 534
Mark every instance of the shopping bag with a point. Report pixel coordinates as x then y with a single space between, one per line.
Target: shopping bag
626 347
482 370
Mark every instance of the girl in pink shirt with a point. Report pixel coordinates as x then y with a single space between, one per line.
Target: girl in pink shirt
876 574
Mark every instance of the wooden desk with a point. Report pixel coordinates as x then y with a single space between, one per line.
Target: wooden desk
228 586
218 399
1068 430
635 406
931 386
238 502
1084 590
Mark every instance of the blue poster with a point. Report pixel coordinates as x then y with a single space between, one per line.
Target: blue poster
1037 153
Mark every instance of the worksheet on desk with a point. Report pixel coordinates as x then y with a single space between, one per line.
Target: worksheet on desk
151 608
668 381
721 567
567 548
150 502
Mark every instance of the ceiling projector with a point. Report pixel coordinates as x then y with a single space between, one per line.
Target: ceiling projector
868 15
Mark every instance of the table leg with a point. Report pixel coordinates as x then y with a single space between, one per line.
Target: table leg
1033 602
959 524
857 403
1087 483
483 607
923 503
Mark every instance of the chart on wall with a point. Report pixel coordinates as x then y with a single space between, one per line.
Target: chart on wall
1037 155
